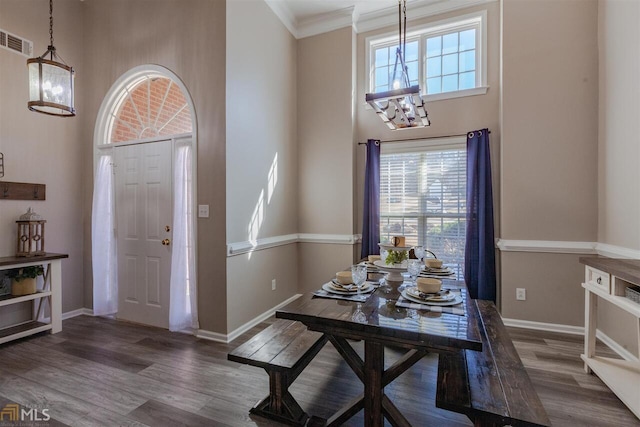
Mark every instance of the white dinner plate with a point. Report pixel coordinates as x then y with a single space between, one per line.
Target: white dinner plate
364 290
457 300
414 292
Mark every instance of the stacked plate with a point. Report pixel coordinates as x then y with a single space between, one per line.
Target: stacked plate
442 298
437 272
336 288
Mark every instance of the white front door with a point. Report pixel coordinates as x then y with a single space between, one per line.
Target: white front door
143 226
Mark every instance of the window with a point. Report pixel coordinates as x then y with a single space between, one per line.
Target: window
149 107
447 58
423 197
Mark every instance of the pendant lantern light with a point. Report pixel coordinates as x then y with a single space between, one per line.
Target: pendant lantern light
401 107
51 81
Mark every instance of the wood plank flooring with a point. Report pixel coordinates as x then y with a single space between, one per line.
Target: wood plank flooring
101 372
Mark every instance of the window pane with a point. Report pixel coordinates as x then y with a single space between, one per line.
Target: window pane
434 46
468 39
382 77
434 66
411 53
449 43
467 80
434 85
450 64
468 61
450 83
413 72
382 57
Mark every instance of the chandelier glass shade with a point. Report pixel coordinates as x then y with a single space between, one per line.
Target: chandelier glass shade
51 81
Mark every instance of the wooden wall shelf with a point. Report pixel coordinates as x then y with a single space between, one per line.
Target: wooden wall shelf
22 191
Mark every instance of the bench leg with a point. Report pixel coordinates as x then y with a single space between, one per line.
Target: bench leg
280 404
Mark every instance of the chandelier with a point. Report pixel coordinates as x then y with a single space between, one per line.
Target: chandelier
401 107
50 81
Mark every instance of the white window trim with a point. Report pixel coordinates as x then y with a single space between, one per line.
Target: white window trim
431 29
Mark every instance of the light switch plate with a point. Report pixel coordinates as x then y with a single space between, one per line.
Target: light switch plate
203 211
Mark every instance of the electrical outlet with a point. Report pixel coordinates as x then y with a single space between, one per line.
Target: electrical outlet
521 294
203 211
273 284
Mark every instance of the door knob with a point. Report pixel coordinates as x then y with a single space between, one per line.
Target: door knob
166 242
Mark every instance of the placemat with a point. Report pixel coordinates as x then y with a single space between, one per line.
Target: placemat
458 309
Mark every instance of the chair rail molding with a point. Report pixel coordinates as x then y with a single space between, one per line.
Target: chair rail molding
239 248
567 247
552 246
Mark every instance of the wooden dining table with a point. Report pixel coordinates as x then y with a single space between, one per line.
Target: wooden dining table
418 331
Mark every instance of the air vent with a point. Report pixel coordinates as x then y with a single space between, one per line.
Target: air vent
16 44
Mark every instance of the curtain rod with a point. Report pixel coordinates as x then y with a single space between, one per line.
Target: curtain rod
420 139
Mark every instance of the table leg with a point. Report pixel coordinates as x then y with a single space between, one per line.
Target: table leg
373 389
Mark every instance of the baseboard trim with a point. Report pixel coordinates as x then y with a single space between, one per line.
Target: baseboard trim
227 338
573 330
76 313
540 326
239 248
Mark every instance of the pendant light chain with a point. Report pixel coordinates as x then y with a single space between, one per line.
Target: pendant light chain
50 23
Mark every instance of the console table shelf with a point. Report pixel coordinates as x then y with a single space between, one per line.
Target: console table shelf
10 299
606 279
51 293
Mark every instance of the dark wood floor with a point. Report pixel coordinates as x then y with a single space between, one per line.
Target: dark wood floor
100 372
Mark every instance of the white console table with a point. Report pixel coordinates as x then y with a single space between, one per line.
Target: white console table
51 292
607 278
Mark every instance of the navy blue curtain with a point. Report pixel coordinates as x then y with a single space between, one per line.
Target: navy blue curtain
371 211
479 254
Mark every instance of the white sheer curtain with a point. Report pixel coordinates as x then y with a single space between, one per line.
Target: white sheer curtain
183 306
103 244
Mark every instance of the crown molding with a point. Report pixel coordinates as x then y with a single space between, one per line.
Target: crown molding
416 10
326 22
284 14
348 16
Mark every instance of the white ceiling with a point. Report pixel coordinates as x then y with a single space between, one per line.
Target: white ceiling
306 18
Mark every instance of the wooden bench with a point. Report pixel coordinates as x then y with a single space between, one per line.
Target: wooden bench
283 349
491 387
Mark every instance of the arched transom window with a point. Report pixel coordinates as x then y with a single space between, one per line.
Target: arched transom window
149 107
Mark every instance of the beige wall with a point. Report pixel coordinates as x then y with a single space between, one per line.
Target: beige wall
325 133
549 152
619 140
326 152
261 138
44 149
187 37
619 146
550 120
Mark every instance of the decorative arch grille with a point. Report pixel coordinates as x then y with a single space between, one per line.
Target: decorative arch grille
149 107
